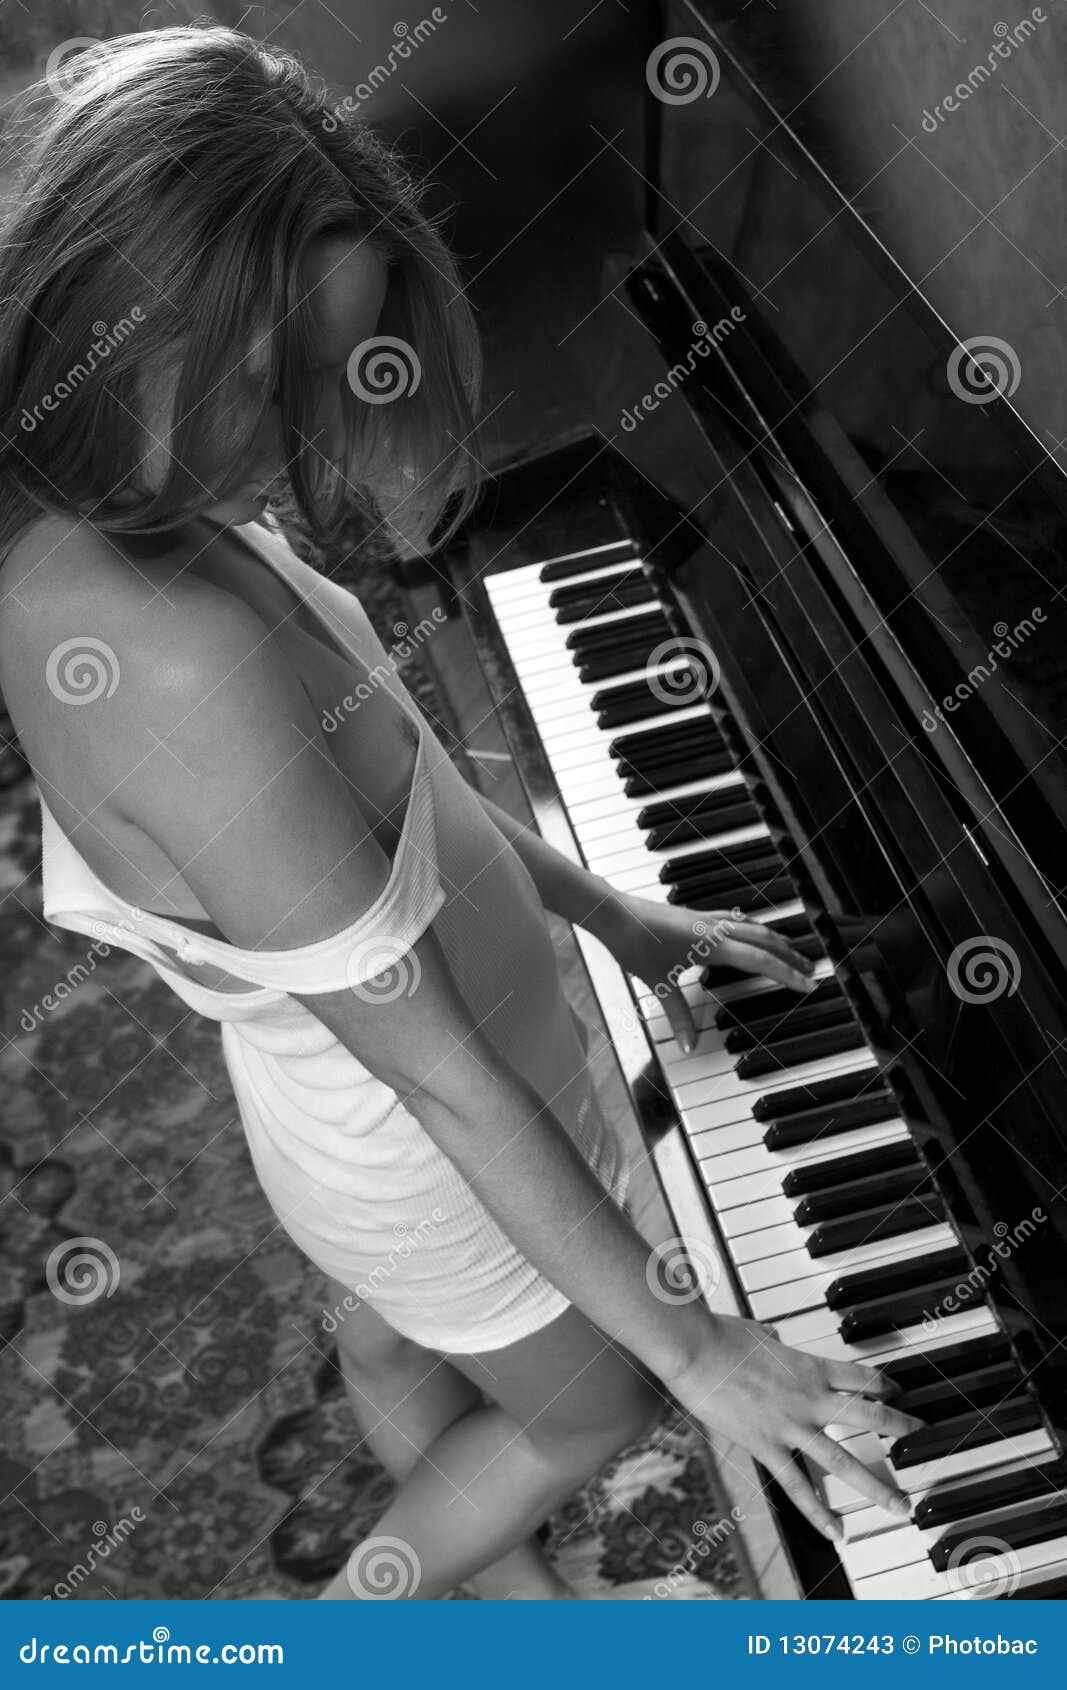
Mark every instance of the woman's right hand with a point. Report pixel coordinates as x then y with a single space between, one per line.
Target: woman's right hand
774 1400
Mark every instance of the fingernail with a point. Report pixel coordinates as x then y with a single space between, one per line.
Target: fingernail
834 1531
902 1506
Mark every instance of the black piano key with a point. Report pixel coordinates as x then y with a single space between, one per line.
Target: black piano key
943 1507
815 1046
833 1118
879 1159
883 1280
700 764
795 1040
985 1388
750 900
913 1372
650 626
623 657
908 1308
633 701
835 1088
594 598
664 811
563 568
666 741
1053 1589
747 855
852 1197
1013 1531
806 1016
733 885
914 1215
966 1431
764 1006
702 824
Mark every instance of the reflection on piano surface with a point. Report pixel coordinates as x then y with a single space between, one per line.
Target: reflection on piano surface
712 638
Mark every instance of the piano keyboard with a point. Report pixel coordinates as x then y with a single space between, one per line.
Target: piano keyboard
835 1232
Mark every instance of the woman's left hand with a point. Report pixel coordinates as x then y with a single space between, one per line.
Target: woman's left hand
658 941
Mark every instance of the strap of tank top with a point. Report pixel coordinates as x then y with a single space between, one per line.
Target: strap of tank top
373 945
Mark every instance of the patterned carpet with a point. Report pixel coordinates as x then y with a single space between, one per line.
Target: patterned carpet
184 1433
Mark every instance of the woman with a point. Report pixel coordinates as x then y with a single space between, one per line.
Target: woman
369 933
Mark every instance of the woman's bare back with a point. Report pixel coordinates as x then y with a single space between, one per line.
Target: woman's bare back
68 595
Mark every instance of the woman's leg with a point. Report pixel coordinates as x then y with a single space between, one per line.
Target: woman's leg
402 1397
564 1401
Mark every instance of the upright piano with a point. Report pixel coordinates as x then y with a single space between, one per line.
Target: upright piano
781 628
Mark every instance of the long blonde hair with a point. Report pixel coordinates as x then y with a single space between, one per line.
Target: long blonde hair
165 200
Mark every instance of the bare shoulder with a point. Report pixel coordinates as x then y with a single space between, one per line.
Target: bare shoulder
82 626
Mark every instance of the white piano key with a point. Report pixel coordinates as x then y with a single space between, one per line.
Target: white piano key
919 1480
702 1095
791 1268
918 1581
742 1142
818 1333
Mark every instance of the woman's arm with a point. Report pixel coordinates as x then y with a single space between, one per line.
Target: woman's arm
652 939
580 897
